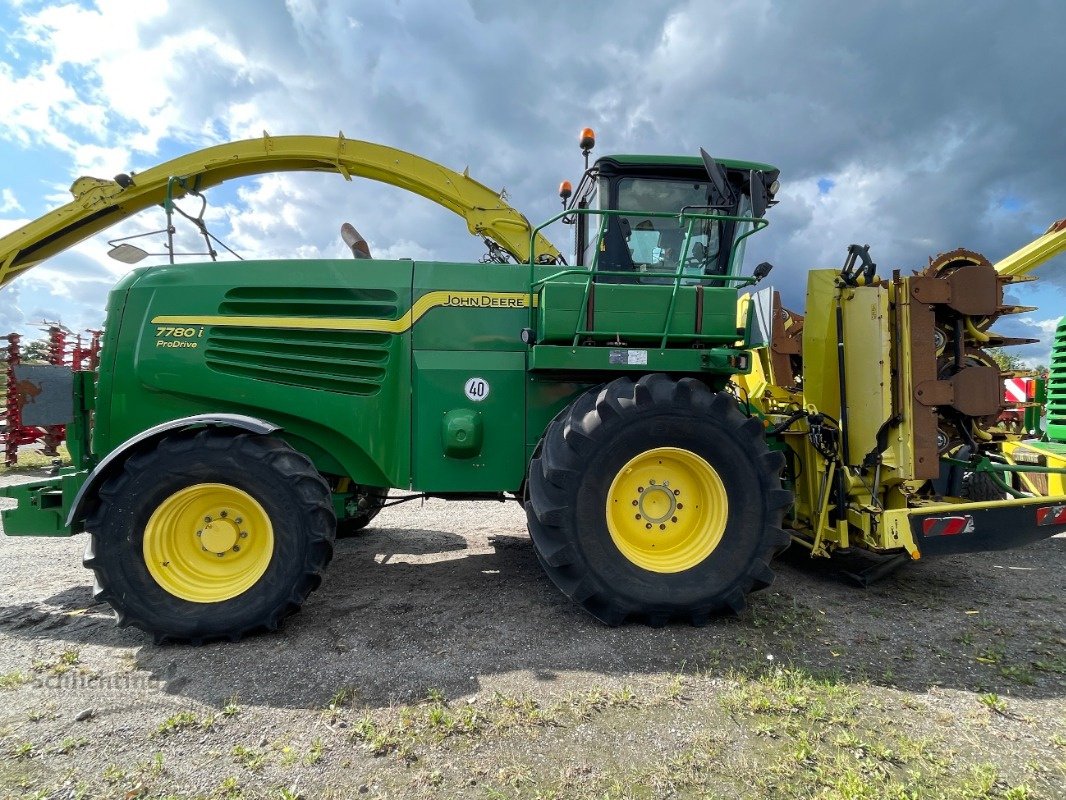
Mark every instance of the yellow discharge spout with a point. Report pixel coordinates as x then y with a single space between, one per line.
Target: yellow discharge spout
99 204
1028 258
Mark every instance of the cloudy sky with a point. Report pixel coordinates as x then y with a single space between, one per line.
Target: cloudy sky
915 127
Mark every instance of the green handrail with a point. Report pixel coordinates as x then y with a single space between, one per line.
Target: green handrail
685 218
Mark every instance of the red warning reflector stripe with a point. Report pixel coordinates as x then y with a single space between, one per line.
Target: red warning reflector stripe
1051 515
1014 390
947 526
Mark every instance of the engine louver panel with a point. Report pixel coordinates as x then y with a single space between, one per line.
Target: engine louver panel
350 362
309 301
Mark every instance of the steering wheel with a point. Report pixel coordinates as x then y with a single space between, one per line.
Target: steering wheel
698 257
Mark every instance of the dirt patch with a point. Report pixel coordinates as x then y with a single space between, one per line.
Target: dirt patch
437 660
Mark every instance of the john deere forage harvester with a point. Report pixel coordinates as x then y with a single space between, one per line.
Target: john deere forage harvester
633 401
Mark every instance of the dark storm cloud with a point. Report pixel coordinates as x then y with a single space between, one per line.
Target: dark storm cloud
945 112
936 125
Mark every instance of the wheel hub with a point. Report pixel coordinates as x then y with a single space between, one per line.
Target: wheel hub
657 503
220 535
667 509
208 542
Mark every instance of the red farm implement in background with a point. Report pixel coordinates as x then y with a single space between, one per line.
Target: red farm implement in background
1024 397
61 349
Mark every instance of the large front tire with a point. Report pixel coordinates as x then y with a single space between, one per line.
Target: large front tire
211 535
656 499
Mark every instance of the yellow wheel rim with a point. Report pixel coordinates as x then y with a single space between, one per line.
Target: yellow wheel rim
667 509
208 543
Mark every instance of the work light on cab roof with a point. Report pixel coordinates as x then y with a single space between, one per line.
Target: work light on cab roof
565 190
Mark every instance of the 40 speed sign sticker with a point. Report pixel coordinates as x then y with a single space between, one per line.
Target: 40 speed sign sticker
477 389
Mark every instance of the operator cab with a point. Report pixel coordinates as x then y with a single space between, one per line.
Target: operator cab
674 213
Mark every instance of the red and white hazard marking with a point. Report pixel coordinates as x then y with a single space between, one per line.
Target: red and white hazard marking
1016 390
947 526
1051 515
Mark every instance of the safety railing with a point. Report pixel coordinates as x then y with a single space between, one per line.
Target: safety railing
686 219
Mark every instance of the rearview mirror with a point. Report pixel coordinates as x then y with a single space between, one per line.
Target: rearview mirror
127 253
759 196
763 185
720 180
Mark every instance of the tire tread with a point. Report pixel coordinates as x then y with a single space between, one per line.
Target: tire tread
314 500
560 460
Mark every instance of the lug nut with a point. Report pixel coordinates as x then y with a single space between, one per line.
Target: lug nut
636 503
207 519
677 492
244 534
219 555
680 506
236 548
223 514
199 533
638 516
238 520
648 526
662 527
640 489
673 519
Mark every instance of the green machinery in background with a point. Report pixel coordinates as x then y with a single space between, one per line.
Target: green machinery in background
1056 389
661 421
1048 450
1042 457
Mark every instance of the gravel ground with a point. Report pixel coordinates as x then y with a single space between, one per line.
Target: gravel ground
437 660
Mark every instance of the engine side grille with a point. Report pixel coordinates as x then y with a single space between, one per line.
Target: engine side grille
350 362
309 301
336 361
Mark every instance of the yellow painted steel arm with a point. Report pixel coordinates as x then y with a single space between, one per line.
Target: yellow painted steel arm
99 204
1028 258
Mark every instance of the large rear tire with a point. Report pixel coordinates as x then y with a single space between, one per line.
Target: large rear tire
210 535
980 487
656 499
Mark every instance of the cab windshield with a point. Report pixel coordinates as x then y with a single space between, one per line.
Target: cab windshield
656 243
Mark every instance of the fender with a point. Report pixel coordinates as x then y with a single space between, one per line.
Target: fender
116 456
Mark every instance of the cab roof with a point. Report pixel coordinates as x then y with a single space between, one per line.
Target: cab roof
629 160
